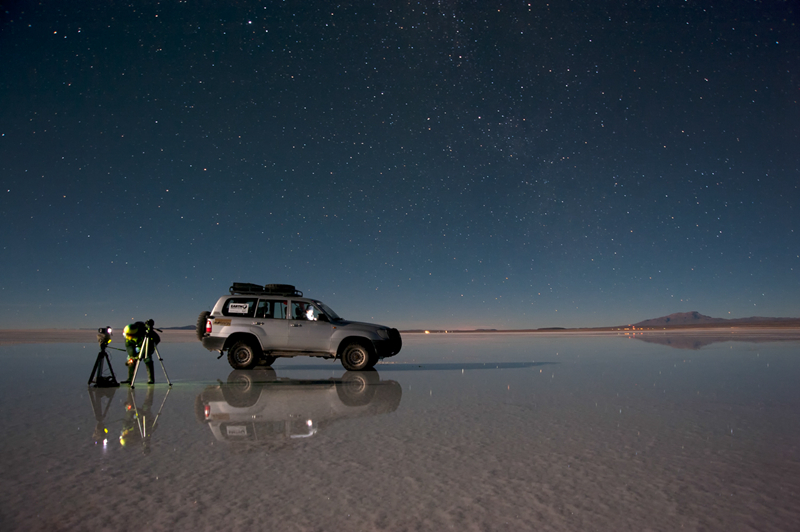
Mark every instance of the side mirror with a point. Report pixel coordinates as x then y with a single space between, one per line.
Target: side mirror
323 317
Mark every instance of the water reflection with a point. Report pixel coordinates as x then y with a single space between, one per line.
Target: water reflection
139 422
258 408
699 339
101 399
439 366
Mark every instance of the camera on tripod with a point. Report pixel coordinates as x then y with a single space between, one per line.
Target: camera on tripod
104 337
97 378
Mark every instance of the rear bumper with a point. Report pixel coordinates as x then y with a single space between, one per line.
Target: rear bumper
213 343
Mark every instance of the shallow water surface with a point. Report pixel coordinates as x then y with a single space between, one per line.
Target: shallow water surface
466 432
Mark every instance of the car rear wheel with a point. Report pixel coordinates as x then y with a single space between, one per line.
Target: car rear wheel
357 357
244 387
242 355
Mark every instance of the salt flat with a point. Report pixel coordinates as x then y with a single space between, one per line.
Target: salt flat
477 432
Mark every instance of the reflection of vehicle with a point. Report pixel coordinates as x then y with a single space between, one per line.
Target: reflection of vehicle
258 407
256 324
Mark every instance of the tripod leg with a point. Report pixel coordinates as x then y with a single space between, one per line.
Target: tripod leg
135 371
108 361
132 400
161 360
159 410
142 351
95 368
97 406
108 404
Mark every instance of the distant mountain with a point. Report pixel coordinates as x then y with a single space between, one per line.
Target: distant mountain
695 319
680 319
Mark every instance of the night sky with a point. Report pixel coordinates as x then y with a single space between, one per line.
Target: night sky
419 164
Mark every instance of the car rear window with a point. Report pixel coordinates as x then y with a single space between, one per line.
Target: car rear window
243 307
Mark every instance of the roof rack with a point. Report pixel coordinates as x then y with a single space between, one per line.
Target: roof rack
268 289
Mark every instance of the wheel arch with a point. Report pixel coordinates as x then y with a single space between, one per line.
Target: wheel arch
362 340
247 337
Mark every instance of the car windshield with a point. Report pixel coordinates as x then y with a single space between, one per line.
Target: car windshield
327 310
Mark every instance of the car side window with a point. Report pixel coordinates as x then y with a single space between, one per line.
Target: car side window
271 309
304 311
242 307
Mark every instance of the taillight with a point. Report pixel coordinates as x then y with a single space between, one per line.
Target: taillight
207 411
208 326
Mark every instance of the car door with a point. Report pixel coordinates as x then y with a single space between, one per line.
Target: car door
270 319
306 331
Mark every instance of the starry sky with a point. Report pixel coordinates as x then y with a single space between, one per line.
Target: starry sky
431 164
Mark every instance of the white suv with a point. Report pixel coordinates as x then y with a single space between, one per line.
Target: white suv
256 324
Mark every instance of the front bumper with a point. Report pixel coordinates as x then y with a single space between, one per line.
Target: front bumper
390 347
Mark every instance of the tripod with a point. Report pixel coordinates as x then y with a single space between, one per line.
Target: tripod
141 416
97 377
96 397
144 350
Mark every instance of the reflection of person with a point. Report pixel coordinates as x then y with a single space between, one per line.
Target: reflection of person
131 430
135 334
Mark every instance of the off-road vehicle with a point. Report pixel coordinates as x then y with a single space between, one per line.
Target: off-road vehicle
256 324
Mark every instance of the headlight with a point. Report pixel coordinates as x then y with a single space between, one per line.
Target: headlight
383 333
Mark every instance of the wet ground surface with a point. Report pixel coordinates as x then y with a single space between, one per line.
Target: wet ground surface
468 432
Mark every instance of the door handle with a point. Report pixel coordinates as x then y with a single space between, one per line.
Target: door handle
296 325
258 323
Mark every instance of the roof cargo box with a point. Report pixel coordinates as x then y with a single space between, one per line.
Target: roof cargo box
269 289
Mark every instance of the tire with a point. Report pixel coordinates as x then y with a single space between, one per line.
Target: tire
250 378
242 355
200 328
357 388
244 387
266 360
357 357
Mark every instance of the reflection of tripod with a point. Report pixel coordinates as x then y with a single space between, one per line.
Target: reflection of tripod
97 377
141 415
96 397
144 351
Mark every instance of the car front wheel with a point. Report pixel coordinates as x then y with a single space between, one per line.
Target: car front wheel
357 389
266 360
356 357
241 355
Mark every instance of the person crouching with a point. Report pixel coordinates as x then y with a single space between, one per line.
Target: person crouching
135 334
